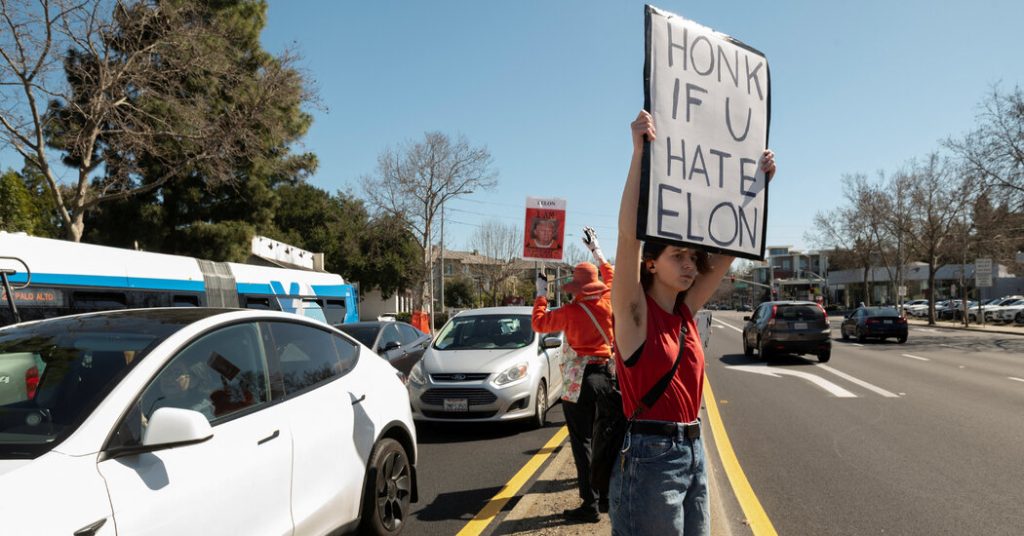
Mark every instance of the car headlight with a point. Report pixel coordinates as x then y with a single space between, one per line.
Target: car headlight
514 373
416 374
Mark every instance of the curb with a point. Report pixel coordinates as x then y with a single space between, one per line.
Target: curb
1000 329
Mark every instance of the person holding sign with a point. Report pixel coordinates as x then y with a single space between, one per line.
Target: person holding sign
659 485
586 378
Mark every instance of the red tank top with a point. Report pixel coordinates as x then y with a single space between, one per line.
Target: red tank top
638 373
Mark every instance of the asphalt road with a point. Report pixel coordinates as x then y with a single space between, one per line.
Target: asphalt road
463 465
922 438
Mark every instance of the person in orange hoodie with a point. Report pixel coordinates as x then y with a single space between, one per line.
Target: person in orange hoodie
586 376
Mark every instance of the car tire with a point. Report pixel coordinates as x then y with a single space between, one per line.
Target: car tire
901 339
747 350
824 356
861 337
540 414
843 333
388 493
1019 318
762 350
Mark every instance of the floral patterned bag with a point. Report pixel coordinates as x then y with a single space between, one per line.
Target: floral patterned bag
573 365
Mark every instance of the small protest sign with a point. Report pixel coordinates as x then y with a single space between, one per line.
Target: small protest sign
545 229
701 183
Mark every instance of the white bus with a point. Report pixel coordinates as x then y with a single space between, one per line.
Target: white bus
55 277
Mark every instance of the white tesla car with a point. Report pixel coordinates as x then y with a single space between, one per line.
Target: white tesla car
202 421
488 365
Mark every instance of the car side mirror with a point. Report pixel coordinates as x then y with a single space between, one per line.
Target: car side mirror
551 342
746 318
391 345
175 427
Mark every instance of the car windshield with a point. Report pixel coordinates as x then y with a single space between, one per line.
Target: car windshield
364 334
883 311
54 373
485 332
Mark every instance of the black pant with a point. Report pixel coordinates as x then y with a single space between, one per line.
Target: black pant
595 395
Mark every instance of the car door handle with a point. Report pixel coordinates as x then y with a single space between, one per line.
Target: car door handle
358 400
90 529
269 437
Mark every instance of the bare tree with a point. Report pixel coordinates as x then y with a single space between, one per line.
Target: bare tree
501 246
940 194
850 227
414 181
994 152
890 220
110 86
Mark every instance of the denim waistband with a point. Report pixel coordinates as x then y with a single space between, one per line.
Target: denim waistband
690 430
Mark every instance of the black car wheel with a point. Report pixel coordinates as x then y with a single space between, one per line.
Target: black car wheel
901 339
388 489
762 350
842 332
824 356
747 350
861 337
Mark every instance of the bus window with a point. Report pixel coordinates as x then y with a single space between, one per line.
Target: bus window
257 303
98 301
312 309
335 312
185 301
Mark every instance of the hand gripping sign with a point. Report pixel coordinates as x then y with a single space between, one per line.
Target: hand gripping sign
702 184
545 229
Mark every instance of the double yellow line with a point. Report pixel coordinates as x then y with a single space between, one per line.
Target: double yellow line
760 525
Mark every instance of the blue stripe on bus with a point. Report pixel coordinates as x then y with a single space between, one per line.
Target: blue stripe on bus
253 288
110 281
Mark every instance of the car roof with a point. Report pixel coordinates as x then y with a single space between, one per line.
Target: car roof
792 302
506 310
182 316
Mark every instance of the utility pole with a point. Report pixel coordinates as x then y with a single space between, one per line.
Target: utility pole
442 259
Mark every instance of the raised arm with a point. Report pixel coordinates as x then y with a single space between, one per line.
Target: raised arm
704 285
628 303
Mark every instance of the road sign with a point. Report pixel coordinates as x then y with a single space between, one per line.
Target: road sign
902 290
983 273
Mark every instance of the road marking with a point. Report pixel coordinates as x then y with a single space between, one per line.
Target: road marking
760 525
775 372
929 330
1016 379
916 357
727 325
494 506
859 382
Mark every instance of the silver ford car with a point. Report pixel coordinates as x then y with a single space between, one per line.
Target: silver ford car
487 365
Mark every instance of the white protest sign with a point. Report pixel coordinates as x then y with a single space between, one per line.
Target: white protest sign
702 184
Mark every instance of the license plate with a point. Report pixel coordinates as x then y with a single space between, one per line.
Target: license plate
456 404
800 325
887 321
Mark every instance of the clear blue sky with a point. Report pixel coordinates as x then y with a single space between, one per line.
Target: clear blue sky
550 87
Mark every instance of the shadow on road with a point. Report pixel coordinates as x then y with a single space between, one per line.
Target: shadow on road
457 504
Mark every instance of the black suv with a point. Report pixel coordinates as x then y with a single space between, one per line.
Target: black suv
792 327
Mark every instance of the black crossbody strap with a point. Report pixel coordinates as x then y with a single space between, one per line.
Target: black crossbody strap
655 392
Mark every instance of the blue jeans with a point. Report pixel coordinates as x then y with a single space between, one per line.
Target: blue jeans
660 486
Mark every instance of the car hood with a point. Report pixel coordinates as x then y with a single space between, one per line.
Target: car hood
6 466
452 361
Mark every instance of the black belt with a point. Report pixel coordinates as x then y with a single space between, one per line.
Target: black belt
671 429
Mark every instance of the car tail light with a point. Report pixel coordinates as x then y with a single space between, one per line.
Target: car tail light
31 382
771 319
823 312
873 321
901 320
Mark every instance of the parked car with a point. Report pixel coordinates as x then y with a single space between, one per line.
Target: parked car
992 309
202 421
1008 312
875 322
488 365
397 342
795 327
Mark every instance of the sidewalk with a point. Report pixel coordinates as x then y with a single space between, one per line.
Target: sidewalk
539 511
1006 329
